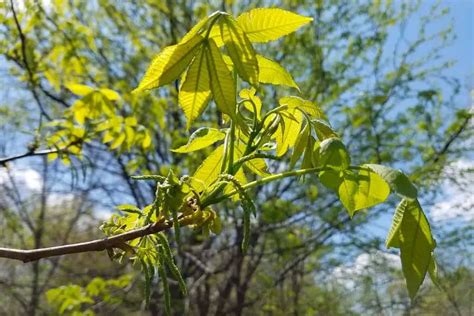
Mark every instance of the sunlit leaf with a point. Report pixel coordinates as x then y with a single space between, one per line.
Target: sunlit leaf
201 138
195 91
222 83
267 24
356 190
333 153
270 71
169 64
79 89
209 170
397 180
240 50
253 100
416 245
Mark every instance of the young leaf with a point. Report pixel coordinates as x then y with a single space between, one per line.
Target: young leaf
209 170
363 190
79 89
416 245
356 190
397 180
195 90
201 138
267 24
333 153
271 72
249 94
300 145
393 238
222 83
169 64
288 131
307 106
240 50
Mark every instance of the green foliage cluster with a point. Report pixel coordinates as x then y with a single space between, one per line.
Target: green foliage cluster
295 124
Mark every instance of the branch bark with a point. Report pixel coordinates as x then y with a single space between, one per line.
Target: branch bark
88 246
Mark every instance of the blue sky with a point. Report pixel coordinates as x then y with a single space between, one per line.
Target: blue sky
462 50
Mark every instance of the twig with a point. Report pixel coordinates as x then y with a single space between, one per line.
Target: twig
88 246
3 161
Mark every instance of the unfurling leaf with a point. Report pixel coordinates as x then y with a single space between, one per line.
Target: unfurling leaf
195 91
271 72
169 64
268 24
201 138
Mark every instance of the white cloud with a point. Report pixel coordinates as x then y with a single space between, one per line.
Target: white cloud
24 178
364 264
458 197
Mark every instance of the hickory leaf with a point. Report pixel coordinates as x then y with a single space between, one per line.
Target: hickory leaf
334 154
356 190
195 90
271 72
268 24
209 170
201 138
397 180
222 83
240 50
416 245
168 65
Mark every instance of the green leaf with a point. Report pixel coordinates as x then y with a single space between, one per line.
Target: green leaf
249 94
201 138
110 94
393 238
363 190
356 190
169 64
323 129
267 24
300 145
288 131
129 208
433 271
397 180
307 106
416 245
195 90
240 50
79 89
209 170
333 153
271 72
222 83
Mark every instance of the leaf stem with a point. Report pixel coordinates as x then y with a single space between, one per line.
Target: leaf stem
275 177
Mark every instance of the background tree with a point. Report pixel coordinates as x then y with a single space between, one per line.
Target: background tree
388 100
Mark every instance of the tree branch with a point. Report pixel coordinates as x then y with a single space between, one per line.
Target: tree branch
3 161
88 246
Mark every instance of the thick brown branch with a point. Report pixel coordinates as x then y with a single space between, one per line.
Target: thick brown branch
88 246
